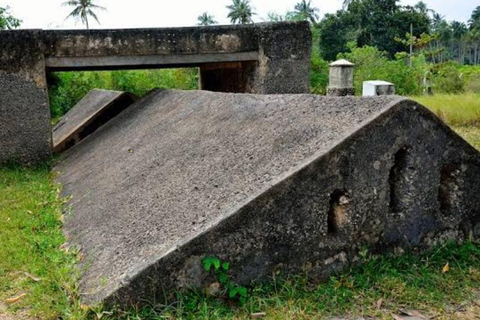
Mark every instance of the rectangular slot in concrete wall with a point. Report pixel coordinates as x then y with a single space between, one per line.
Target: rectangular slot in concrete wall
397 179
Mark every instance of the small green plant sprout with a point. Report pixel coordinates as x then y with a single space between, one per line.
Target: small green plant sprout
221 268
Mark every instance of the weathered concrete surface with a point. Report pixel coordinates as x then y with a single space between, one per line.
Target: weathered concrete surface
270 57
25 134
93 111
341 78
291 182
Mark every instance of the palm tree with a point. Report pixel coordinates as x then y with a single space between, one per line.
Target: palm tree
304 10
83 10
240 12
422 8
474 21
205 19
437 21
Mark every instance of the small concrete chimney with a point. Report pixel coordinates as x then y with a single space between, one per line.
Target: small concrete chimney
341 78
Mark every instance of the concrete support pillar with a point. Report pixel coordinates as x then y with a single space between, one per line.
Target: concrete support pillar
283 59
341 79
25 131
282 64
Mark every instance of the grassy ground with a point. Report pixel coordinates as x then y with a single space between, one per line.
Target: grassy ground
462 113
456 110
382 286
38 278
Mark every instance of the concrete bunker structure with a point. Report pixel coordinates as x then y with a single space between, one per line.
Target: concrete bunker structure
298 183
263 58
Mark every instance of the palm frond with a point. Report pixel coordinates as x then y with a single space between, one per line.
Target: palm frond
75 13
70 3
98 7
93 15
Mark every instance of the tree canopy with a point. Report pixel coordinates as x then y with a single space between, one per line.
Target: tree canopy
240 11
305 11
7 21
205 19
370 22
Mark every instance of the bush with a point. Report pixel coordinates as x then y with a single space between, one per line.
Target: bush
447 78
471 75
67 88
373 64
318 75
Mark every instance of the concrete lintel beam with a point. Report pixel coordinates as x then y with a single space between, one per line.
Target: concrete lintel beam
150 61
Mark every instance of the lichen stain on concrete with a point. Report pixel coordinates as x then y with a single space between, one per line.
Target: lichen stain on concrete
228 42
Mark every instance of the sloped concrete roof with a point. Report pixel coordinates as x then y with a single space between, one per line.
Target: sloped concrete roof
96 108
177 163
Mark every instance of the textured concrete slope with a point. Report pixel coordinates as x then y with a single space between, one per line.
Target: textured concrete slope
95 109
249 178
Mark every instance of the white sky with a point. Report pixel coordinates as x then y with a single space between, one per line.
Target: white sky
50 14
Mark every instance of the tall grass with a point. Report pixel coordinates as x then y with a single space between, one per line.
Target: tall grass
456 110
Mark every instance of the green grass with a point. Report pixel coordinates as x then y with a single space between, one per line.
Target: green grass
456 110
461 112
30 220
31 262
471 134
403 282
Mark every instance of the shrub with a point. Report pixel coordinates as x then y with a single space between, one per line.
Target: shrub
67 88
471 75
318 75
447 78
373 64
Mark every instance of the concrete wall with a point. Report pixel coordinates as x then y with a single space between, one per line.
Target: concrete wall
282 64
25 133
260 58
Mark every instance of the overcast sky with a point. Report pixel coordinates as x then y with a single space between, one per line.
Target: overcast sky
50 14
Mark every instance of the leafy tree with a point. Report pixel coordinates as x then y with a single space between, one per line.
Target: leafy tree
371 23
474 21
289 16
205 19
240 12
346 3
422 8
437 21
82 10
335 33
7 21
304 11
373 64
275 17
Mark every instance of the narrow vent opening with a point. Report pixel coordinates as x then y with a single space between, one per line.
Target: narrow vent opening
336 213
397 178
